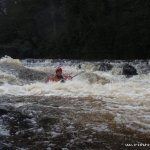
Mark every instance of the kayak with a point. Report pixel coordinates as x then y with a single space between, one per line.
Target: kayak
63 79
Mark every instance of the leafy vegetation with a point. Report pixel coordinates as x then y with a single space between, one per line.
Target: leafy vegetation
80 29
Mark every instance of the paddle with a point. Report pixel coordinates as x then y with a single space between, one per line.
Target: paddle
78 74
63 81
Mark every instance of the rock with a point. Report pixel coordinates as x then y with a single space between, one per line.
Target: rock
32 75
129 70
94 78
79 66
105 67
22 72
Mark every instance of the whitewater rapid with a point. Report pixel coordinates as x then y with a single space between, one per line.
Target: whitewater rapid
90 83
127 99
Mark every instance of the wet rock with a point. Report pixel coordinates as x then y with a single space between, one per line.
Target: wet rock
79 66
22 72
129 70
105 67
31 75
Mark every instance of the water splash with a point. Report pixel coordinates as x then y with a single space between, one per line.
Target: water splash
126 99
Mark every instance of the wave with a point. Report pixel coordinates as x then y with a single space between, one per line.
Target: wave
101 97
28 77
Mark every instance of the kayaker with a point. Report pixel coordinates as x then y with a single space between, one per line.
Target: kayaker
60 76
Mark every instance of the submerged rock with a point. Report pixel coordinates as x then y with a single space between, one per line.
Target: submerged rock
31 75
129 70
105 67
22 72
93 78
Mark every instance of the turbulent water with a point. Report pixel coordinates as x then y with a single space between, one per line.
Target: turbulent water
96 106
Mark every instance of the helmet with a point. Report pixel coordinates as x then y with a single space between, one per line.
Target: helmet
58 69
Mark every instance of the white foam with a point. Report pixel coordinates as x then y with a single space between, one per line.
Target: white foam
8 59
127 98
134 89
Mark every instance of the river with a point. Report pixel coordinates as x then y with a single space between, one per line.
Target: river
98 109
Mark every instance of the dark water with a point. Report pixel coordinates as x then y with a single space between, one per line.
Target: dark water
35 122
102 108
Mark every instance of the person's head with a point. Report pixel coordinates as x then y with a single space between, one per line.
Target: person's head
58 71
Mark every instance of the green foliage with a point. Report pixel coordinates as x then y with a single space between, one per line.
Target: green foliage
80 29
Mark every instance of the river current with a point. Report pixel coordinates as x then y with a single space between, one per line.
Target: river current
100 108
